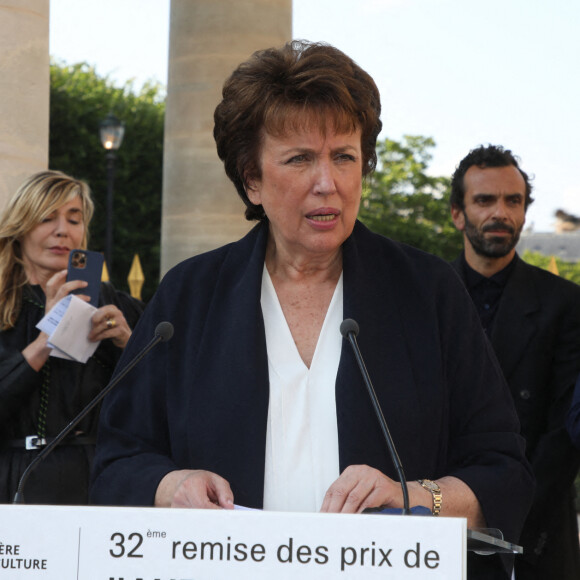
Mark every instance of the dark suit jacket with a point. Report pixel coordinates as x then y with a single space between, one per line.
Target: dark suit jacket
536 336
573 421
201 400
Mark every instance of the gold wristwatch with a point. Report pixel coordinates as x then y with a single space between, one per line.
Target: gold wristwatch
435 492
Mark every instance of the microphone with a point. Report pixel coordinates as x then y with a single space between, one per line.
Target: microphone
163 333
349 330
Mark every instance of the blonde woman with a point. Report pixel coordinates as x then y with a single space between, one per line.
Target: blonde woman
48 217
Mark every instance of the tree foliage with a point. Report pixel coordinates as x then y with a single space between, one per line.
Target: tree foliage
403 202
568 270
400 200
79 101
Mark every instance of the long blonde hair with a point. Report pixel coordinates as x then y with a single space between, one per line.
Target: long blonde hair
39 196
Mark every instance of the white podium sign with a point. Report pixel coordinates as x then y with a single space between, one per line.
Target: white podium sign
111 543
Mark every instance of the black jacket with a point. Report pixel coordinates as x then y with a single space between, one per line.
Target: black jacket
52 396
536 336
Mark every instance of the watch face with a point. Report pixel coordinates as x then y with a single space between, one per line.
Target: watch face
430 485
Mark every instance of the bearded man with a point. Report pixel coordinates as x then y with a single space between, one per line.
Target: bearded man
532 319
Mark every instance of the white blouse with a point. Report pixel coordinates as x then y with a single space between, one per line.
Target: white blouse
302 434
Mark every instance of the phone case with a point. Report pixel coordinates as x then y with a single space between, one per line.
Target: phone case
88 266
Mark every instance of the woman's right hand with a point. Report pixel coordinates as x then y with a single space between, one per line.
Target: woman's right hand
194 488
57 288
38 351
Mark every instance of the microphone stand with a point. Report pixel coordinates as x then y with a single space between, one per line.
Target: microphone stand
349 330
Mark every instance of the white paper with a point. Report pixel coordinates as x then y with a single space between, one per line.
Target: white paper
50 321
68 325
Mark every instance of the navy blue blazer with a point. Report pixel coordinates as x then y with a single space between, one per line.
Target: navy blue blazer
201 400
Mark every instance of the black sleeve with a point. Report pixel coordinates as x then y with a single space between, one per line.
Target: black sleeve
17 381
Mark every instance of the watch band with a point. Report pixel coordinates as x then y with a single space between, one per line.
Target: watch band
435 492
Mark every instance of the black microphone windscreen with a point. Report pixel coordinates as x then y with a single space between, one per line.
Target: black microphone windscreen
347 326
164 330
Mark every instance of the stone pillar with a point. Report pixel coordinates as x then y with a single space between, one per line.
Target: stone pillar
208 39
24 91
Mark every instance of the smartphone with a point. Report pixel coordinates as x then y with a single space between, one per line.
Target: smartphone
88 266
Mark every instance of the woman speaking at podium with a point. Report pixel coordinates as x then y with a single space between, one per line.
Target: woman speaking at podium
257 399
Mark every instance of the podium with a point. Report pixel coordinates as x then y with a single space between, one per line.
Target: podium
118 543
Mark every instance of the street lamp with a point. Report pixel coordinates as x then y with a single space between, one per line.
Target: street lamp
111 131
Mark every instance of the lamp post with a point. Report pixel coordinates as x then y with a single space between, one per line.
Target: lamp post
111 131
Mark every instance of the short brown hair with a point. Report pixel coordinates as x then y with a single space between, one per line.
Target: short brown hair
278 89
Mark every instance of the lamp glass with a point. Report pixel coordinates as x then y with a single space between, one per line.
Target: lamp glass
111 131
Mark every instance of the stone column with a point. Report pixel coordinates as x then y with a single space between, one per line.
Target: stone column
24 91
208 39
